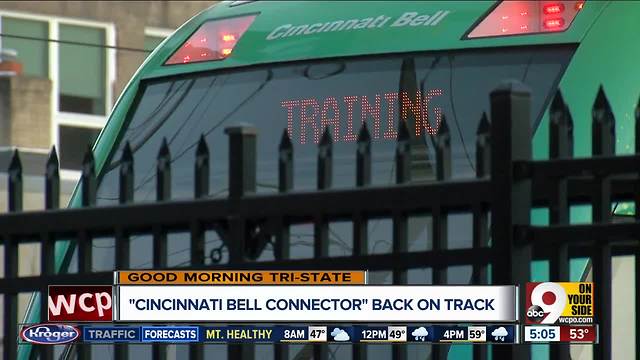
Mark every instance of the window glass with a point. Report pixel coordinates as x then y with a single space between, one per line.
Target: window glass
73 145
82 70
151 42
305 97
33 54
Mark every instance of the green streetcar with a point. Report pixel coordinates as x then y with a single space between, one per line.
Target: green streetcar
307 65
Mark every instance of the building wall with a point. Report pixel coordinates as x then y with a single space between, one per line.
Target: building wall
25 114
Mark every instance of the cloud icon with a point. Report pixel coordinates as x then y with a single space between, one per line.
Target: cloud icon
340 336
499 333
336 331
420 333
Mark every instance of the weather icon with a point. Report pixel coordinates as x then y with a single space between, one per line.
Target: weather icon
339 335
499 333
420 333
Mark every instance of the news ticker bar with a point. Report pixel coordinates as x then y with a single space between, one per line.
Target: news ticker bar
497 334
427 334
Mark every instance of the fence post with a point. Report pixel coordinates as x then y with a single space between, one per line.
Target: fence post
242 181
443 173
603 143
321 225
360 223
480 213
47 240
163 193
10 347
511 144
560 146
282 242
122 251
285 184
363 178
85 247
126 180
325 177
201 190
400 222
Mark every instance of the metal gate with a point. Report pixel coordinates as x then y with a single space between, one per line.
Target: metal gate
501 197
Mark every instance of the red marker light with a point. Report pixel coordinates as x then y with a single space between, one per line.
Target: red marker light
554 23
511 17
551 9
214 40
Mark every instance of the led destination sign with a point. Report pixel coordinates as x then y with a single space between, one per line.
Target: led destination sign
306 118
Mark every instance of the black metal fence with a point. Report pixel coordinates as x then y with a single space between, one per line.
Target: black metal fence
507 186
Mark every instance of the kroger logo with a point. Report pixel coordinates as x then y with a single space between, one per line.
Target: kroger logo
49 334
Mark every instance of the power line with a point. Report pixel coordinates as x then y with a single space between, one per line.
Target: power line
73 43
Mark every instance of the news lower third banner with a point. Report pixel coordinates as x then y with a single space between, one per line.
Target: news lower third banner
314 303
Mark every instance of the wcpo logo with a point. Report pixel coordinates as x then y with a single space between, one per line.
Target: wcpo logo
80 303
559 303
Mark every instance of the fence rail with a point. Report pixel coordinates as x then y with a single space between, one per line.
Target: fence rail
507 186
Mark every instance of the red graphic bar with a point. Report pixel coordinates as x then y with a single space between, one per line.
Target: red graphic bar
80 303
585 334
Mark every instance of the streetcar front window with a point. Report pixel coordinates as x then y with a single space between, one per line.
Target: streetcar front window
306 97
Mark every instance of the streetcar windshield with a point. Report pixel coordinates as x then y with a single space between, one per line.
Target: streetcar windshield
306 97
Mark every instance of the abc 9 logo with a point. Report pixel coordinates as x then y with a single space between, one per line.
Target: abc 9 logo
546 298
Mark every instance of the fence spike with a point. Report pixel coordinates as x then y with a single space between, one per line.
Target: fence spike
484 127
483 147
285 163
15 166
164 149
53 164
364 135
363 157
126 174
285 140
203 149
127 153
325 161
443 151
602 126
403 171
557 104
403 132
163 172
326 137
15 182
560 128
88 163
444 127
88 177
52 181
569 122
202 169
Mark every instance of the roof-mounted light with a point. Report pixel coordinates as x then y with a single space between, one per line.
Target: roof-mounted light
214 40
527 17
